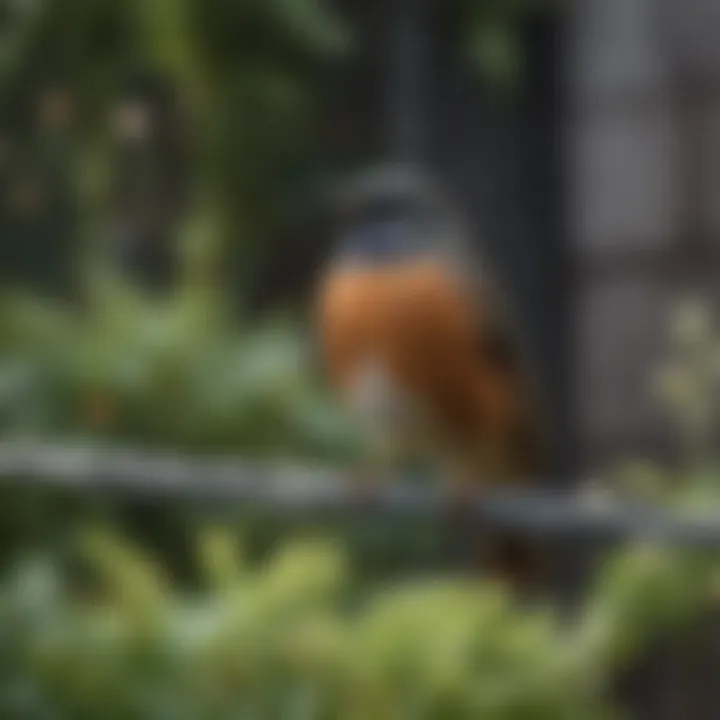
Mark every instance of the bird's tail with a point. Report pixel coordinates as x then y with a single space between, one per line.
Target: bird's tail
512 556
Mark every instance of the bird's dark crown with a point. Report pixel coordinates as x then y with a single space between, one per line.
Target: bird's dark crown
390 213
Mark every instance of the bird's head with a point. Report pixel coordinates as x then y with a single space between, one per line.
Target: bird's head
390 213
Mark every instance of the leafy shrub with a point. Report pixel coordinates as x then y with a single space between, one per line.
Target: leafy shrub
170 373
284 640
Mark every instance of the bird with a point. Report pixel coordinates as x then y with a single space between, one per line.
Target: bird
419 345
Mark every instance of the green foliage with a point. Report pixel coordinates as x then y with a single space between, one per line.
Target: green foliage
492 39
686 388
20 23
282 641
244 76
169 373
246 80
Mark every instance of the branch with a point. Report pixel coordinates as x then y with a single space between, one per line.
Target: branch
284 487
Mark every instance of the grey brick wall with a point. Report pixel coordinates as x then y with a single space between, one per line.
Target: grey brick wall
644 184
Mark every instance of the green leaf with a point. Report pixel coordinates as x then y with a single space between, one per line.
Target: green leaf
311 24
495 48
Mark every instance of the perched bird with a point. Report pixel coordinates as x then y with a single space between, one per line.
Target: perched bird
419 345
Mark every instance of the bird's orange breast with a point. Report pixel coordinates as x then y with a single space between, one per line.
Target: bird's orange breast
421 324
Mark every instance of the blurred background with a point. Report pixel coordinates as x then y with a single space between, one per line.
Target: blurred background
163 168
177 159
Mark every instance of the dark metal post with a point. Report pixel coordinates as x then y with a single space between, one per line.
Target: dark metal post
404 131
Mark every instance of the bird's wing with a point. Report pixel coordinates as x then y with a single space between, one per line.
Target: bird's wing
500 347
501 343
